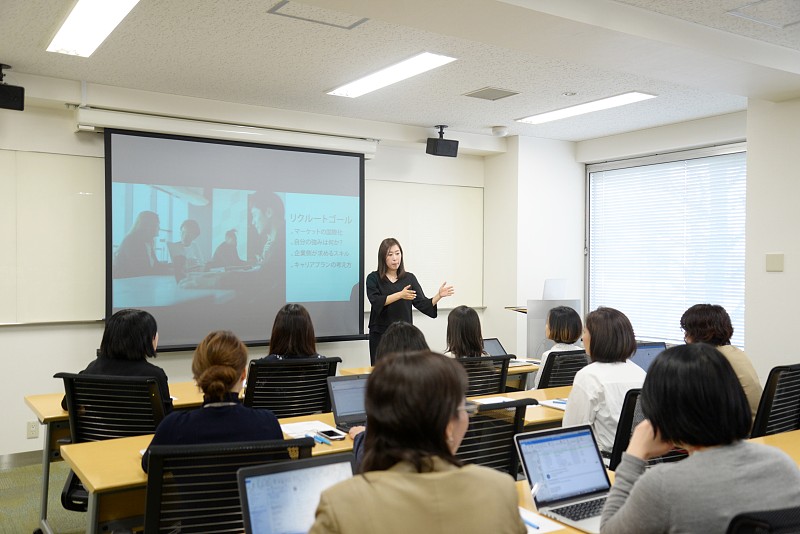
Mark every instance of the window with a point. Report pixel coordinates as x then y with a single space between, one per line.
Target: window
664 235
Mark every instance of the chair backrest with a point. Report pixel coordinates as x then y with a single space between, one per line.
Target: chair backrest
487 374
630 416
781 521
489 440
193 488
561 367
779 408
290 387
106 407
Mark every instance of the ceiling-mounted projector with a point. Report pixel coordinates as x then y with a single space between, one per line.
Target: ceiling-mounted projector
11 96
441 146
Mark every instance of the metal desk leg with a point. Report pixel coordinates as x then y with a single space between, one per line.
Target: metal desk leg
91 514
45 481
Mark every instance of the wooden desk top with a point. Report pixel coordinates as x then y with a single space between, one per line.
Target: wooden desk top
516 370
47 407
116 464
788 442
538 415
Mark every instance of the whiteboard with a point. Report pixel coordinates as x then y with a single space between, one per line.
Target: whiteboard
56 240
440 228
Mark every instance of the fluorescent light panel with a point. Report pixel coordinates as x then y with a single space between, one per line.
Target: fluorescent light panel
588 107
88 25
400 71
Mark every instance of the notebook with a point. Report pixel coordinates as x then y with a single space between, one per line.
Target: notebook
646 352
282 497
347 400
565 467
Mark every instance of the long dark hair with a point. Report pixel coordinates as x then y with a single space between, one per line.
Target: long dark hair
386 244
410 400
464 338
129 335
293 332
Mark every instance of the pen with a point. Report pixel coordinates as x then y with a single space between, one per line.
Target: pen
318 438
559 401
530 524
322 439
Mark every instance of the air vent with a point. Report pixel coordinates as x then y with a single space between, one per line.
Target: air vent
491 93
774 13
294 10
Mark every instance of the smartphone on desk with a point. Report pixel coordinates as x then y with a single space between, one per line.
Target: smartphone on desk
333 435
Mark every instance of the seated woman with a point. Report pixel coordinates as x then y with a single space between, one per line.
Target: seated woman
219 367
292 335
411 480
599 388
563 326
464 338
723 475
398 337
709 323
129 338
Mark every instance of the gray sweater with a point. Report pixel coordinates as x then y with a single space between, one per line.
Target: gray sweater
701 493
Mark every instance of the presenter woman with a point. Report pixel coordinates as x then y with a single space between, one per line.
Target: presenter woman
391 292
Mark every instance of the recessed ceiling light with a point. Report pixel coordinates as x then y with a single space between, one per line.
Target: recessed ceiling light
88 25
400 71
588 107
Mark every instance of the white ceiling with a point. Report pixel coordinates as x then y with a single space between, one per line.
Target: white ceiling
697 57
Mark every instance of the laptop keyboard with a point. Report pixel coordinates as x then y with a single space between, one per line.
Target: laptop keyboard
582 510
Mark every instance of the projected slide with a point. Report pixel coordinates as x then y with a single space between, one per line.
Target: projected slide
209 236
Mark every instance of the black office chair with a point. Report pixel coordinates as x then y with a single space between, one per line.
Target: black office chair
193 488
783 521
561 367
487 374
489 441
106 407
630 416
779 407
290 387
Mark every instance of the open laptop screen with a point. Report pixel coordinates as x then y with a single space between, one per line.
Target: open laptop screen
565 462
493 347
282 497
347 395
647 352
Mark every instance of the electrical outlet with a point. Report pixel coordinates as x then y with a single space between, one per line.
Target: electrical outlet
33 429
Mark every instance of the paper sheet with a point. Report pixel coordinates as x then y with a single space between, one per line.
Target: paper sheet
558 404
492 400
299 430
542 523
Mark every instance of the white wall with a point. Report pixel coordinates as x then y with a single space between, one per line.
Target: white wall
773 221
34 353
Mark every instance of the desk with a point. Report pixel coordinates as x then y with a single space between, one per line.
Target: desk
47 408
517 375
111 471
788 442
538 417
163 290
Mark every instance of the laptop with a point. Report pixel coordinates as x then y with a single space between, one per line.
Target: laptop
493 347
347 400
282 497
566 467
646 352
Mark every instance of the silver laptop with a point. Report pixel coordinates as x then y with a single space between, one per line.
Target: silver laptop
565 467
282 497
493 347
646 352
347 400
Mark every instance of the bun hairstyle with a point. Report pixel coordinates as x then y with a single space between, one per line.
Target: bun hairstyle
218 363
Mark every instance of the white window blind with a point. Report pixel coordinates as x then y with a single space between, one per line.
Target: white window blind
665 236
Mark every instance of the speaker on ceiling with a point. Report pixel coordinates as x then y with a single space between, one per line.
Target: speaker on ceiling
441 146
11 96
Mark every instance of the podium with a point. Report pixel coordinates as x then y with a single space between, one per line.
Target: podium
536 312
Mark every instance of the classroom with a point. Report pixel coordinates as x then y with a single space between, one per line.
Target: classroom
524 182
